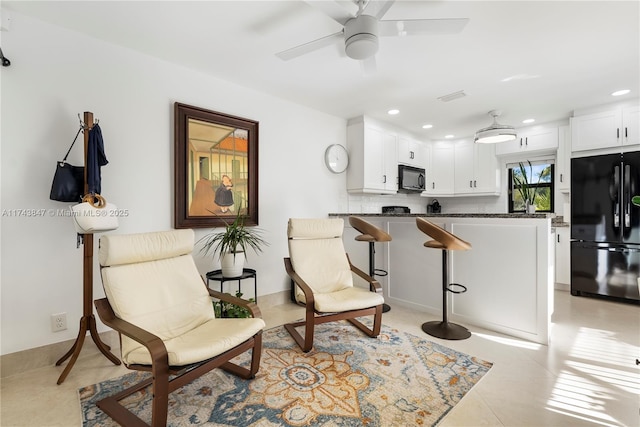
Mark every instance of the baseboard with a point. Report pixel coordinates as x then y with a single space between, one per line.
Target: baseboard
278 298
48 355
561 287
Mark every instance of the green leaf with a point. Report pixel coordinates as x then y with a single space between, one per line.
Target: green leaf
235 238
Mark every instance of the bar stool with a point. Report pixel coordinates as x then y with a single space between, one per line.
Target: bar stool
371 234
446 242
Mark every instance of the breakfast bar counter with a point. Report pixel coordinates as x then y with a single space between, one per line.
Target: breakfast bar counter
508 272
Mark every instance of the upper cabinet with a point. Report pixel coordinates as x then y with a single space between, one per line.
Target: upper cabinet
476 169
373 158
412 152
440 170
612 128
532 140
462 168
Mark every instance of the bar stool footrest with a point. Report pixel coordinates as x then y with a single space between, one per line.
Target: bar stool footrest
446 330
452 288
380 272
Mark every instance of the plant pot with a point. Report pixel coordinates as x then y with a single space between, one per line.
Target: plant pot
232 266
529 208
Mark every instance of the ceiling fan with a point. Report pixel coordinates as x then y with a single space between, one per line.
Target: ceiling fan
361 30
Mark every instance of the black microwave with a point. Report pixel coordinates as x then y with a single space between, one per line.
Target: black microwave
411 179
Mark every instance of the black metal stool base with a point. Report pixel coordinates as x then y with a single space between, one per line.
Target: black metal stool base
385 308
446 330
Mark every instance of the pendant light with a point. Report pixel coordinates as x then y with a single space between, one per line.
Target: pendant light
496 132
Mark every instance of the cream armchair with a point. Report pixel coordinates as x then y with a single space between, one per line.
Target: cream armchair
158 303
323 280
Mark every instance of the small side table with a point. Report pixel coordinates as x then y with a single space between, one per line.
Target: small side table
247 273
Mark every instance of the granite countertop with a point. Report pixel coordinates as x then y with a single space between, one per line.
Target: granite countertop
451 215
556 220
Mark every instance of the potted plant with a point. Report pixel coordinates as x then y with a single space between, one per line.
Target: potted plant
527 192
231 245
229 309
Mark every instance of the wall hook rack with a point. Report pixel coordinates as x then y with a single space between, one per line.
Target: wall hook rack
5 60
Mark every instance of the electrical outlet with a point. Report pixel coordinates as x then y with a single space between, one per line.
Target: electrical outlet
58 322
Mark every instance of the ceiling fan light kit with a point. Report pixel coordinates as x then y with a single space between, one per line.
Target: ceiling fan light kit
496 132
361 37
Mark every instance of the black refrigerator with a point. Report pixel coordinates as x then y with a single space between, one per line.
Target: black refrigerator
605 226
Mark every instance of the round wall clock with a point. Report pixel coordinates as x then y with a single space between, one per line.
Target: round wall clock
336 158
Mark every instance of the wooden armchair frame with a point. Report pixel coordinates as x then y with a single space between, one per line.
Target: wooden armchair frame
160 369
314 317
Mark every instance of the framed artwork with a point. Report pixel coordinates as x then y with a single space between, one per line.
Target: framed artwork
216 168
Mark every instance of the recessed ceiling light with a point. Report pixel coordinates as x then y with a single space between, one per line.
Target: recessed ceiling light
393 112
528 120
427 126
620 92
449 136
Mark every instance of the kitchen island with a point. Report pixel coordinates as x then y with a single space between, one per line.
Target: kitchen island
509 272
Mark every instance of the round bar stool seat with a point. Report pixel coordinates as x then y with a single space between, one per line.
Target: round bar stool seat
444 241
371 234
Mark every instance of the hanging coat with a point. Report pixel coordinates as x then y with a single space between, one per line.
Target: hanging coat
95 159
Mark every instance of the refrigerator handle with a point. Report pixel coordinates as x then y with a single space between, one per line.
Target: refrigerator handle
616 209
627 196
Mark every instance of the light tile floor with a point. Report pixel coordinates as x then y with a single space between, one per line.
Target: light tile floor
586 377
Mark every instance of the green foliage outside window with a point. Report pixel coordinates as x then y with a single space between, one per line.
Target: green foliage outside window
533 182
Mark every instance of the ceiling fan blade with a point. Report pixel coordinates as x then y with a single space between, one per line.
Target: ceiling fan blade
300 50
369 66
377 8
412 27
332 9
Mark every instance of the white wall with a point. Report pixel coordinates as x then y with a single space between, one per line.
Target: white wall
56 74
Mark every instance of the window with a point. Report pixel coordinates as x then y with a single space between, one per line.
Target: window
533 181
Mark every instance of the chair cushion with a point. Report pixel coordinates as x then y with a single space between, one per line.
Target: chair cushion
157 287
353 298
313 228
165 297
317 254
204 342
117 249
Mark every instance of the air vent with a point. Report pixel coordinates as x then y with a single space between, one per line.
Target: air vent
452 96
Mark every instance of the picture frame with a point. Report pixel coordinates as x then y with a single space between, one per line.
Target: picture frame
216 168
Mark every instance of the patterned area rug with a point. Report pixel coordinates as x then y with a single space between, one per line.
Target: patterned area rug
349 379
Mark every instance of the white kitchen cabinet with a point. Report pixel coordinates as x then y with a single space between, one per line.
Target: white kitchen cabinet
631 125
373 158
612 128
532 140
476 169
563 159
563 256
411 152
440 173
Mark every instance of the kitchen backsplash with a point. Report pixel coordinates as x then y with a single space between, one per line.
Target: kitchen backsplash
356 203
374 203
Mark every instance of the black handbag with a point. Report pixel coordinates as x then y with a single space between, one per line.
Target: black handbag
68 180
